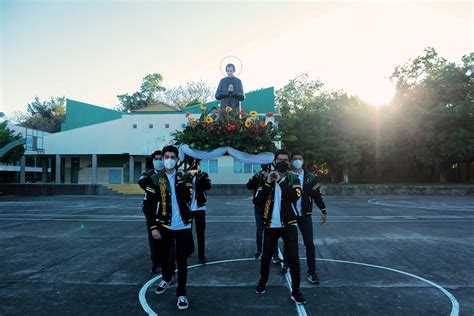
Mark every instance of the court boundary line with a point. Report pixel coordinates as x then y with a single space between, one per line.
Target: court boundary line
454 302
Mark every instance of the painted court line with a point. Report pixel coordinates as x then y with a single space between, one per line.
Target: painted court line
453 300
299 308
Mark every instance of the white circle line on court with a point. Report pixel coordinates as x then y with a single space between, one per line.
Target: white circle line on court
454 301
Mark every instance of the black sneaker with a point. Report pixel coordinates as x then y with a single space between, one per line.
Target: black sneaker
313 278
297 297
203 260
258 255
284 270
276 260
262 284
182 302
162 287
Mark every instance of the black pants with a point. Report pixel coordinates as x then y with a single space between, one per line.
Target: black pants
305 224
200 220
260 226
289 235
156 251
184 247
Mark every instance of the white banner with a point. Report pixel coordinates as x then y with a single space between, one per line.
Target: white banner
260 159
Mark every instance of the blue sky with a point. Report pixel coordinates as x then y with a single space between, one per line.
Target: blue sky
93 50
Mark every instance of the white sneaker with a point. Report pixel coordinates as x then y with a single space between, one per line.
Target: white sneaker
182 302
162 286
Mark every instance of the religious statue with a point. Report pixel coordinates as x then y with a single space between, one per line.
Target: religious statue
230 91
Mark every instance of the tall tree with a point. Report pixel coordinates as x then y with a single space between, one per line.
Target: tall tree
193 92
45 116
150 92
7 136
437 100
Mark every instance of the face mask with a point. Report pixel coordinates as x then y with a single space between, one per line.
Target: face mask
297 163
157 164
282 166
170 163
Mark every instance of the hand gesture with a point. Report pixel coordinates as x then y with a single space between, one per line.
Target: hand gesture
231 88
323 218
156 234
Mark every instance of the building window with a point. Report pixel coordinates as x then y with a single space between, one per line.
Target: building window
167 125
209 166
134 126
150 125
240 167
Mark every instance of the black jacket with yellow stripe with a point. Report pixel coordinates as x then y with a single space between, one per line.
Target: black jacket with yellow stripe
157 201
290 193
311 192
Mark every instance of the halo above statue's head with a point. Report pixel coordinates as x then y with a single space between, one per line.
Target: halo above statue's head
234 60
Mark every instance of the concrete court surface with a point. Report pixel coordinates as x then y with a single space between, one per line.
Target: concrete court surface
386 255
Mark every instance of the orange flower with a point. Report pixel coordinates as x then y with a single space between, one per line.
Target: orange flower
192 120
248 123
262 124
270 114
228 109
187 114
203 108
253 114
209 120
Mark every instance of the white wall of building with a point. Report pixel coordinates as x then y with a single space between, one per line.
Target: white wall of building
118 136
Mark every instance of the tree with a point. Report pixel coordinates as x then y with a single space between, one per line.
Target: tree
331 127
298 93
437 100
194 92
45 116
7 136
150 92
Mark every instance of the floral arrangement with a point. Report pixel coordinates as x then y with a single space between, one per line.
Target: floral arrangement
215 128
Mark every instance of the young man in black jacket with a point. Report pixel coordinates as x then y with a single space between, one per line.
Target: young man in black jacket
169 218
278 196
257 181
201 184
143 183
304 206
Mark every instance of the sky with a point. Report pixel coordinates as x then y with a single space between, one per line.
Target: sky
91 51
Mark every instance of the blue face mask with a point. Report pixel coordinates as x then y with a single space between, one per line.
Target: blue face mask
297 164
170 163
157 164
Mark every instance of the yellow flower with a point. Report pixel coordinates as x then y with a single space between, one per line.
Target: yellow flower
248 123
203 108
192 120
209 120
228 109
253 114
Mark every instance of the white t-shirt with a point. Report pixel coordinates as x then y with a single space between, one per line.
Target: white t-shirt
298 203
194 206
276 221
176 220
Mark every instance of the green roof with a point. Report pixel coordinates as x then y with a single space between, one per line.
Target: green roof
80 114
262 101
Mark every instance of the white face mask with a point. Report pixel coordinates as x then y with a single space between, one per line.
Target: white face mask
297 163
170 163
157 164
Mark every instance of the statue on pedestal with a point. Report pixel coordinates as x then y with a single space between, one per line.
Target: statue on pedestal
230 90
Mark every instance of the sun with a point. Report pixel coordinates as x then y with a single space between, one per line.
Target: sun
378 93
